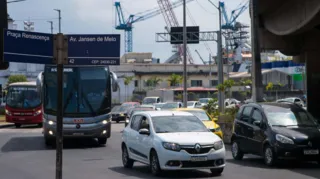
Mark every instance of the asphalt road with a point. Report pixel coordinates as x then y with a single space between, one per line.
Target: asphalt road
23 155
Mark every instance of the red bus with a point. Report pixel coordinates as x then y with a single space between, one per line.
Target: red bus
23 104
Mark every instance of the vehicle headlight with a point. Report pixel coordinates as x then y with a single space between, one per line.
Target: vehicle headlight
171 146
284 139
218 145
127 121
104 122
51 122
37 112
121 114
8 112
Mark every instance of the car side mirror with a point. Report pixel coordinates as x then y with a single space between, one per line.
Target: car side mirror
144 132
257 123
115 84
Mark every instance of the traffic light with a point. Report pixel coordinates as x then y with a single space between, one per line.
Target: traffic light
3 25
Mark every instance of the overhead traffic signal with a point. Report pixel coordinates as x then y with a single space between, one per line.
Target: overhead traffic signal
3 25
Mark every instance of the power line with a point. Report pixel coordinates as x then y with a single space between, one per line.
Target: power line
35 19
205 8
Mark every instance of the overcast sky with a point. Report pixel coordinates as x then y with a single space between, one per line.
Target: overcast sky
98 17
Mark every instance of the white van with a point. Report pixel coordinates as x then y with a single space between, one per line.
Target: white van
151 100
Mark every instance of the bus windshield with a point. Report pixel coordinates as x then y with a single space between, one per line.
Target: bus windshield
86 91
23 97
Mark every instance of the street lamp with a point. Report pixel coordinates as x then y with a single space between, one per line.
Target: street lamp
51 26
59 11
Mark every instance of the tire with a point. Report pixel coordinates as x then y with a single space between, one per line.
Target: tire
270 158
154 164
102 141
237 154
49 142
216 172
126 161
17 125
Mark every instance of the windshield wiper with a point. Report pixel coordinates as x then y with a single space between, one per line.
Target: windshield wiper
164 132
279 126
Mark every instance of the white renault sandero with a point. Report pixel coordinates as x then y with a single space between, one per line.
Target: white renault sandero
171 140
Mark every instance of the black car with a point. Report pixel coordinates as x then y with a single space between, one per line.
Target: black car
119 113
275 131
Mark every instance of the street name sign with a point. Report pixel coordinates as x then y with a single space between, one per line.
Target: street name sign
32 47
27 47
93 49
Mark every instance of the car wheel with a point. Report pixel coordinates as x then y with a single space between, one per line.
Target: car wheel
237 154
102 141
154 164
49 142
216 172
270 157
126 161
17 125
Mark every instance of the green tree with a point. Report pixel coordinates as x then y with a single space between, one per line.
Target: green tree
175 80
179 97
269 86
153 81
228 85
16 78
127 81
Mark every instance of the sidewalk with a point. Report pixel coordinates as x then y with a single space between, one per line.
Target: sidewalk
5 125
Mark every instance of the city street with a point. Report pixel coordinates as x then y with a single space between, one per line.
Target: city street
23 155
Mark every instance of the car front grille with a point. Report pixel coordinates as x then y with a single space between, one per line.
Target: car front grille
192 150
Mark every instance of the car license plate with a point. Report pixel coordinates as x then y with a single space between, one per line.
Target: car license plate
78 133
311 152
198 159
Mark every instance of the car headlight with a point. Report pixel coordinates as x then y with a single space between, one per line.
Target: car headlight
8 112
37 112
104 122
121 114
51 123
284 139
127 121
171 146
218 145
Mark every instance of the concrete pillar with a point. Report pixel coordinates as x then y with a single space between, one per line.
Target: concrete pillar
313 83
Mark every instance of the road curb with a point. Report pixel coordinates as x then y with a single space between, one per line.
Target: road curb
6 125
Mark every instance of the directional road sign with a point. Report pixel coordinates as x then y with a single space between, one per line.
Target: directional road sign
94 49
31 47
27 47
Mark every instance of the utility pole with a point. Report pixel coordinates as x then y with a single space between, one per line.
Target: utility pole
210 74
59 11
185 95
51 26
256 75
220 59
59 137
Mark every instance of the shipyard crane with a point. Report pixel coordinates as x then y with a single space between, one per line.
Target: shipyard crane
200 57
171 21
230 23
127 24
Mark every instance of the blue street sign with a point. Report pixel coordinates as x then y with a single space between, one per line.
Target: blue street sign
27 47
94 49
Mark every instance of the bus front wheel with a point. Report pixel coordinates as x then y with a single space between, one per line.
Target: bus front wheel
102 141
17 125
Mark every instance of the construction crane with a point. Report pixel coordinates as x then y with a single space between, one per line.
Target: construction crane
127 24
171 21
230 23
200 57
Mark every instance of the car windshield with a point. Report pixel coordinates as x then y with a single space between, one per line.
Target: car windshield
204 100
287 117
149 101
128 104
115 109
170 124
170 106
202 115
158 105
23 97
85 91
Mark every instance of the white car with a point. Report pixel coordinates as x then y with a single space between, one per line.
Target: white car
193 104
171 140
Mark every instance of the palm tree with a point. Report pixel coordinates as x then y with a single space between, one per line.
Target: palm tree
175 79
127 81
153 81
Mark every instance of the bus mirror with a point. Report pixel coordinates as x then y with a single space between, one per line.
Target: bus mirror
39 82
115 84
4 98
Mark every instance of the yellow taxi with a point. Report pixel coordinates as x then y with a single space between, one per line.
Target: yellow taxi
208 121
